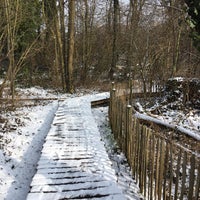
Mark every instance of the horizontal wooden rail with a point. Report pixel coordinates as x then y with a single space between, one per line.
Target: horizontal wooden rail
148 120
30 99
102 102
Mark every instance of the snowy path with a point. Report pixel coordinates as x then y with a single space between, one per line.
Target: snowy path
74 163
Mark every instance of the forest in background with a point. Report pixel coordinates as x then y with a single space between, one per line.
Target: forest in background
64 44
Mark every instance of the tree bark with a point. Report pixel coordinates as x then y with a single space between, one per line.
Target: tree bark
115 37
63 46
11 19
85 41
70 53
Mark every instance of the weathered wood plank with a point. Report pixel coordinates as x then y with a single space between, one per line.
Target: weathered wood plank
75 187
58 196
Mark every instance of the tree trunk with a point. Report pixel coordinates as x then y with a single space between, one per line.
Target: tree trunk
11 19
85 41
63 39
70 53
115 37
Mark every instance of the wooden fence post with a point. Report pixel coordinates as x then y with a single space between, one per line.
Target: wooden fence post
112 96
134 147
120 136
184 164
192 177
128 130
177 174
197 181
161 168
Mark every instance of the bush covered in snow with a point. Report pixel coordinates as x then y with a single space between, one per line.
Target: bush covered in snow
186 89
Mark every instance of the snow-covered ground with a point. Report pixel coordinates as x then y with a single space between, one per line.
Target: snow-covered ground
172 114
22 132
22 135
119 162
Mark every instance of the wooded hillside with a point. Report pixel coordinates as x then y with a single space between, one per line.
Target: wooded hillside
67 43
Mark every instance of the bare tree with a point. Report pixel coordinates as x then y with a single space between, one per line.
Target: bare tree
70 49
12 9
115 37
63 41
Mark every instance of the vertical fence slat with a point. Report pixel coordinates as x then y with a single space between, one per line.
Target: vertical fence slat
152 166
120 124
170 170
125 129
129 132
149 162
157 168
184 164
134 147
143 159
197 192
166 172
161 170
192 177
140 158
137 150
177 175
146 154
132 142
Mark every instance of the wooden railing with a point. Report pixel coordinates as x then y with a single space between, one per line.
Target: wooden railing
163 168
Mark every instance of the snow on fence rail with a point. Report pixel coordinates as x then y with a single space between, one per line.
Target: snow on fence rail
163 168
